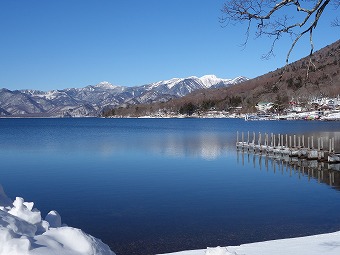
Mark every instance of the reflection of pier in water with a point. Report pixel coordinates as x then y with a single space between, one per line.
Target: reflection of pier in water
312 169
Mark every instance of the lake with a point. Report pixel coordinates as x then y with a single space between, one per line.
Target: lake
148 186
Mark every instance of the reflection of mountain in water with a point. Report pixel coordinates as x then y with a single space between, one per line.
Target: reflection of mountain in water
312 169
206 146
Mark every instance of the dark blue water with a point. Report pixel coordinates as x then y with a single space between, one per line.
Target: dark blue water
147 186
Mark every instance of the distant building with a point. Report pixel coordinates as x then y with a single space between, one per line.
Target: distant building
323 102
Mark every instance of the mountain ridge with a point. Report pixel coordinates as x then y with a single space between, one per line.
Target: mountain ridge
93 99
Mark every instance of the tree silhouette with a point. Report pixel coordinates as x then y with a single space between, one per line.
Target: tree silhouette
274 18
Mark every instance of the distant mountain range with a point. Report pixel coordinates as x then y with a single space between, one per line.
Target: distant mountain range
93 99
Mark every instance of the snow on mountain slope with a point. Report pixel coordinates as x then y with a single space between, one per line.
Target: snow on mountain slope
207 81
238 79
212 80
169 83
105 85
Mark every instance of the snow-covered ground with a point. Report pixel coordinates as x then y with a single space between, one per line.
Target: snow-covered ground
24 232
325 244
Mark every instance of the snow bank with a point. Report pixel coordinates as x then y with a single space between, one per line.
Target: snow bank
325 244
23 232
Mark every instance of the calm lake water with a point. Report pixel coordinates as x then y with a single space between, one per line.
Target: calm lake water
148 186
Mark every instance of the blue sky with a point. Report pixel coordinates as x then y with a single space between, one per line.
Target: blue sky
49 44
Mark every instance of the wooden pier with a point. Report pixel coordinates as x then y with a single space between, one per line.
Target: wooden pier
287 145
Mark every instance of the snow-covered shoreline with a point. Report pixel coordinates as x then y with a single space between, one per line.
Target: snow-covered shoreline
324 244
24 232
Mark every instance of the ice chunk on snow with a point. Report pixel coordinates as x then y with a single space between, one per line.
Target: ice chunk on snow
20 210
29 205
54 219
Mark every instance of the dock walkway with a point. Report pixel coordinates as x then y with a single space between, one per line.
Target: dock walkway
292 146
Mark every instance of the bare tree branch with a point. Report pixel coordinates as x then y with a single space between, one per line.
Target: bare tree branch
336 21
272 18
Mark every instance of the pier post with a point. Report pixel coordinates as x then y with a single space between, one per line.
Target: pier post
312 138
290 141
294 141
308 143
303 141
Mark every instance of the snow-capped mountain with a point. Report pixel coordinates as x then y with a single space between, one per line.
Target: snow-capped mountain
92 99
211 81
183 86
105 85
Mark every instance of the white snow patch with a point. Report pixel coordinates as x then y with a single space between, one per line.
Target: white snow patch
23 232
